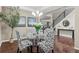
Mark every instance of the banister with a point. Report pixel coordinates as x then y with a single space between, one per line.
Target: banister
64 14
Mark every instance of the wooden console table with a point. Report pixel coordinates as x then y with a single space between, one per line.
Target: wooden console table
58 33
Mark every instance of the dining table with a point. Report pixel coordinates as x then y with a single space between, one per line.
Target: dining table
34 38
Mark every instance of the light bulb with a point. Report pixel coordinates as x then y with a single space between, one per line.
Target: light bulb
33 13
37 12
40 14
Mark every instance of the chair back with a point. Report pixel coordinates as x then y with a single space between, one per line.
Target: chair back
18 37
48 44
49 34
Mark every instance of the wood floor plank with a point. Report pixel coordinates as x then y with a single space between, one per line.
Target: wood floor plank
7 47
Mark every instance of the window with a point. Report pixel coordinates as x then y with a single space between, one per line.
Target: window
31 21
22 21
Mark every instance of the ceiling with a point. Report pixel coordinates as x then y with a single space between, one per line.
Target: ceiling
37 7
47 10
33 8
43 9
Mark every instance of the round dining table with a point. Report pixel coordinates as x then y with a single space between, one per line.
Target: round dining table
34 38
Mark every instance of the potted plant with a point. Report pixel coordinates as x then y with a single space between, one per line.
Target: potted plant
37 26
11 17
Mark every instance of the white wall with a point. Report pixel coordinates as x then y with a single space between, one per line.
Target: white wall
71 19
76 41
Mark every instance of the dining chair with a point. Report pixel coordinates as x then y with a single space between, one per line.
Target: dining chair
41 35
48 44
22 43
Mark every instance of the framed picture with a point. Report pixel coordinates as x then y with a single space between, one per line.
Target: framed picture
31 21
22 21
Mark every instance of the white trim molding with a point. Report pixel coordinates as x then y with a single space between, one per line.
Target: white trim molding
6 41
76 48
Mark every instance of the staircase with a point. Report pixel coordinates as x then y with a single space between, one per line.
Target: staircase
61 16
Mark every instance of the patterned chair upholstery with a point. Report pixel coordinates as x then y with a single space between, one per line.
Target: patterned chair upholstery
48 44
22 43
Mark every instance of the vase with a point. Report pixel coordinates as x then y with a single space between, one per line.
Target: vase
37 27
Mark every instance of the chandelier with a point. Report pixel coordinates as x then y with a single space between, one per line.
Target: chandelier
37 15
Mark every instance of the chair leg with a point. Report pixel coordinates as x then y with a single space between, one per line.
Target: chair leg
28 49
18 50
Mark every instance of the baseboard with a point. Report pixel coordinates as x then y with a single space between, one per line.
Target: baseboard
76 48
7 40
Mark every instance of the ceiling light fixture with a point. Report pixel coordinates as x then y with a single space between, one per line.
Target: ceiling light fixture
41 14
33 13
37 13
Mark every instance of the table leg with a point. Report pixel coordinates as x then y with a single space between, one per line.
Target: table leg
31 49
37 49
17 50
52 51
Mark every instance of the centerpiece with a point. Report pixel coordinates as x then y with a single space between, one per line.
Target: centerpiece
37 26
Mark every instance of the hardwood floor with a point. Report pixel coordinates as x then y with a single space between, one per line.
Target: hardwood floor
64 45
7 47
